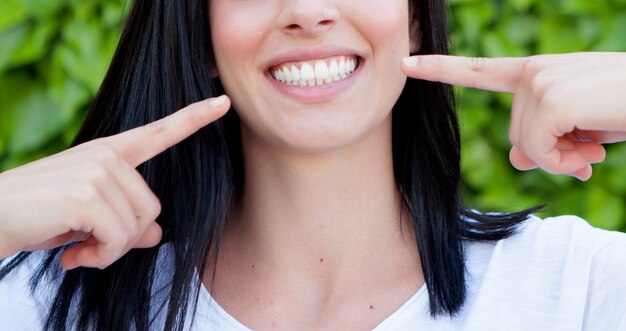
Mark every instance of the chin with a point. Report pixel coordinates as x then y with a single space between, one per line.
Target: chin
321 139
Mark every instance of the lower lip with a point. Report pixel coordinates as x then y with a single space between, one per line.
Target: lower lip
316 94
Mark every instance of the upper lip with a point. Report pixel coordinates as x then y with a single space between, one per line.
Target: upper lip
307 54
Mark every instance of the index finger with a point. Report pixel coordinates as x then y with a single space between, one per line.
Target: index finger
140 144
493 74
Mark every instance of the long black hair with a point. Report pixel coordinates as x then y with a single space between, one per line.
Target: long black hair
163 62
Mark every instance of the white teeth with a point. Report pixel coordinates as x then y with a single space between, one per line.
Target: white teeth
342 68
307 75
333 70
286 74
321 73
307 72
315 73
295 75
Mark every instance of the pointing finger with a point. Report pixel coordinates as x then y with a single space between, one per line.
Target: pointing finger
494 74
143 143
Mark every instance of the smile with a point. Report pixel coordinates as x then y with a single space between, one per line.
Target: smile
315 72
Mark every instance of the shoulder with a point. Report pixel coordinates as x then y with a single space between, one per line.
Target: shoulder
560 271
558 242
571 241
22 308
554 241
563 234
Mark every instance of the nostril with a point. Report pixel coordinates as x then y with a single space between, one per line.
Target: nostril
292 27
325 22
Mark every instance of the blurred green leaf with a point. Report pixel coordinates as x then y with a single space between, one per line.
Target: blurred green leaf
11 40
559 35
35 44
604 210
613 33
70 95
42 9
13 12
32 118
85 54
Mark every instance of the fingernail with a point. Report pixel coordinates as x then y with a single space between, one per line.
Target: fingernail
216 102
410 61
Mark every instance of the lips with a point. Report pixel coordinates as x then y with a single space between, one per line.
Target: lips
315 75
315 72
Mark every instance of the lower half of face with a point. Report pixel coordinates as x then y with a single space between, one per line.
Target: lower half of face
311 76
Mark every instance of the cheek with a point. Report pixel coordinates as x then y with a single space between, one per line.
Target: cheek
237 31
385 26
385 23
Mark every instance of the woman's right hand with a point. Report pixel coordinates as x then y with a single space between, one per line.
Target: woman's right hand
92 193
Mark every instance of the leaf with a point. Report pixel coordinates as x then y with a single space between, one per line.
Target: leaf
613 34
12 14
35 44
604 210
559 35
42 9
32 118
85 53
69 94
11 40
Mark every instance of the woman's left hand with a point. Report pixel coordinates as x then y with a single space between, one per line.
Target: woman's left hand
565 106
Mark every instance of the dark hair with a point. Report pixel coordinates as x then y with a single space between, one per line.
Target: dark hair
163 63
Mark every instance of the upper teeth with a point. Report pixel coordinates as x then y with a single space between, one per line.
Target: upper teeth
315 73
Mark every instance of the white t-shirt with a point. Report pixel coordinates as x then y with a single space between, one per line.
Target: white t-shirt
555 274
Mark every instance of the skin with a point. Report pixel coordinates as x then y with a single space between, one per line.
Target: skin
301 247
306 252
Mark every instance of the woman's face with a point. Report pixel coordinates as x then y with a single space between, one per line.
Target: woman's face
311 75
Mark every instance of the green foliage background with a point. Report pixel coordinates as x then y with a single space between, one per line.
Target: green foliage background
54 53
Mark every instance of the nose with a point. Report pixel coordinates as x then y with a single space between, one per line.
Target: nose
308 18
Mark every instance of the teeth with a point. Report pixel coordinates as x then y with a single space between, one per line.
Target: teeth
342 68
295 75
321 72
315 73
285 75
333 70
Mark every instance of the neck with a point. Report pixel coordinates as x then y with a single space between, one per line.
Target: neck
338 209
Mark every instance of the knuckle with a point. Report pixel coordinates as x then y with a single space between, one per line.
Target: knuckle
115 247
122 240
533 65
74 221
97 174
191 117
549 101
95 143
539 84
155 208
132 227
436 60
87 194
106 155
158 126
476 64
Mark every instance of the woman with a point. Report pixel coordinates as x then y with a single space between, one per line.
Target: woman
327 199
